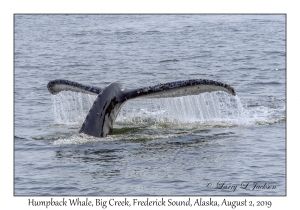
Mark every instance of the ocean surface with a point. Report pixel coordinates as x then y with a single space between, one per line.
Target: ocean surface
209 144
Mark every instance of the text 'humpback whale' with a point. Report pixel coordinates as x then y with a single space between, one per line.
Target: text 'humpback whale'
103 113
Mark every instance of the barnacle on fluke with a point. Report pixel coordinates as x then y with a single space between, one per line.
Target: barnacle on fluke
103 113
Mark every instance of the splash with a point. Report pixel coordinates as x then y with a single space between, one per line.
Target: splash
215 109
270 111
216 106
75 139
71 108
148 119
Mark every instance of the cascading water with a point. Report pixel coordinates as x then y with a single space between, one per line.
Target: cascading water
165 117
72 108
216 106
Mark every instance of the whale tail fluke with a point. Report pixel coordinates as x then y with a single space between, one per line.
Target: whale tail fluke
56 86
103 113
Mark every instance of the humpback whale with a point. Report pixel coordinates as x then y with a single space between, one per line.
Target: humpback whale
104 111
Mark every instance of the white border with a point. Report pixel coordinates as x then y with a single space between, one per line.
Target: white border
8 8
